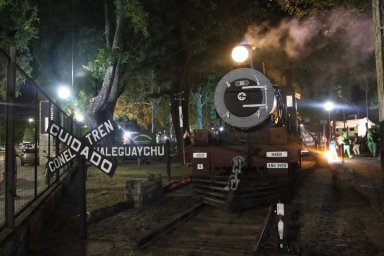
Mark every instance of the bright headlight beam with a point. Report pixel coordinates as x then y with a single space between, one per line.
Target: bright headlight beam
240 53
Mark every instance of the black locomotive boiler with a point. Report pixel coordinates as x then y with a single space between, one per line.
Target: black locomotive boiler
252 154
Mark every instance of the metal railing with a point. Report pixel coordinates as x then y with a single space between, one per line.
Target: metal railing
25 146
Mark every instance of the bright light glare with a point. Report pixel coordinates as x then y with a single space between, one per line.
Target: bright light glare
221 128
329 106
64 92
127 135
31 120
332 157
240 53
79 117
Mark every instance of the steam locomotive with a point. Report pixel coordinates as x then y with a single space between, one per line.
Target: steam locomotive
251 156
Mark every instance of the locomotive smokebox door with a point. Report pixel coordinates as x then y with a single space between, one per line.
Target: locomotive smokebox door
200 163
244 98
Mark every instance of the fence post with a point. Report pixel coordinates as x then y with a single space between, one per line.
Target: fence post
10 154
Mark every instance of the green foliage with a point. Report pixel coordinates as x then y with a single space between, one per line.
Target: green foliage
99 65
302 8
18 26
29 134
144 98
206 91
134 10
81 102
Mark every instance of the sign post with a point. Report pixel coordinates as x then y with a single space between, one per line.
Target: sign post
81 178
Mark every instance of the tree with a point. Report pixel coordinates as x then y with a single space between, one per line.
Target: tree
123 20
378 11
304 8
141 100
202 103
18 26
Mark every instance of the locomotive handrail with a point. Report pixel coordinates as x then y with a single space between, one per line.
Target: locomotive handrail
255 105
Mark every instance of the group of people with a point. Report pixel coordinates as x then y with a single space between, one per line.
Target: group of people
345 143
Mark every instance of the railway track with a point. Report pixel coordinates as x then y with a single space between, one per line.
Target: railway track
207 230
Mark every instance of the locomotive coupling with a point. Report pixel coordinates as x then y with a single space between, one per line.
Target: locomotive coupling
237 163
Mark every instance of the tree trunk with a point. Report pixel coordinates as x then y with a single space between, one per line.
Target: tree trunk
377 6
102 106
199 109
97 104
378 10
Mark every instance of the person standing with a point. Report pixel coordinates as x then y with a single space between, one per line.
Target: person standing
347 145
372 141
356 145
333 148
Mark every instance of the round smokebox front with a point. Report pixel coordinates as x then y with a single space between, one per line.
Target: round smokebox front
244 98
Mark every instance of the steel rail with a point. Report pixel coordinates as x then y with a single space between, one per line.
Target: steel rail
148 238
264 233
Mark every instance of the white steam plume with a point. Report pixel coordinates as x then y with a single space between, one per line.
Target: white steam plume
353 30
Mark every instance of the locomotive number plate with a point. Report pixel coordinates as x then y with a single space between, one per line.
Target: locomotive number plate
199 155
277 154
277 165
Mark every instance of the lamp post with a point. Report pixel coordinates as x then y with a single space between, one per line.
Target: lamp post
366 104
329 106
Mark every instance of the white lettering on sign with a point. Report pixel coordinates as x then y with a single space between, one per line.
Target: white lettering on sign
200 166
62 159
95 158
133 151
100 132
106 166
81 147
277 165
277 154
200 155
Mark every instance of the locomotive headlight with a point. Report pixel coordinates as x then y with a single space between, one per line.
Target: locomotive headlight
240 53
